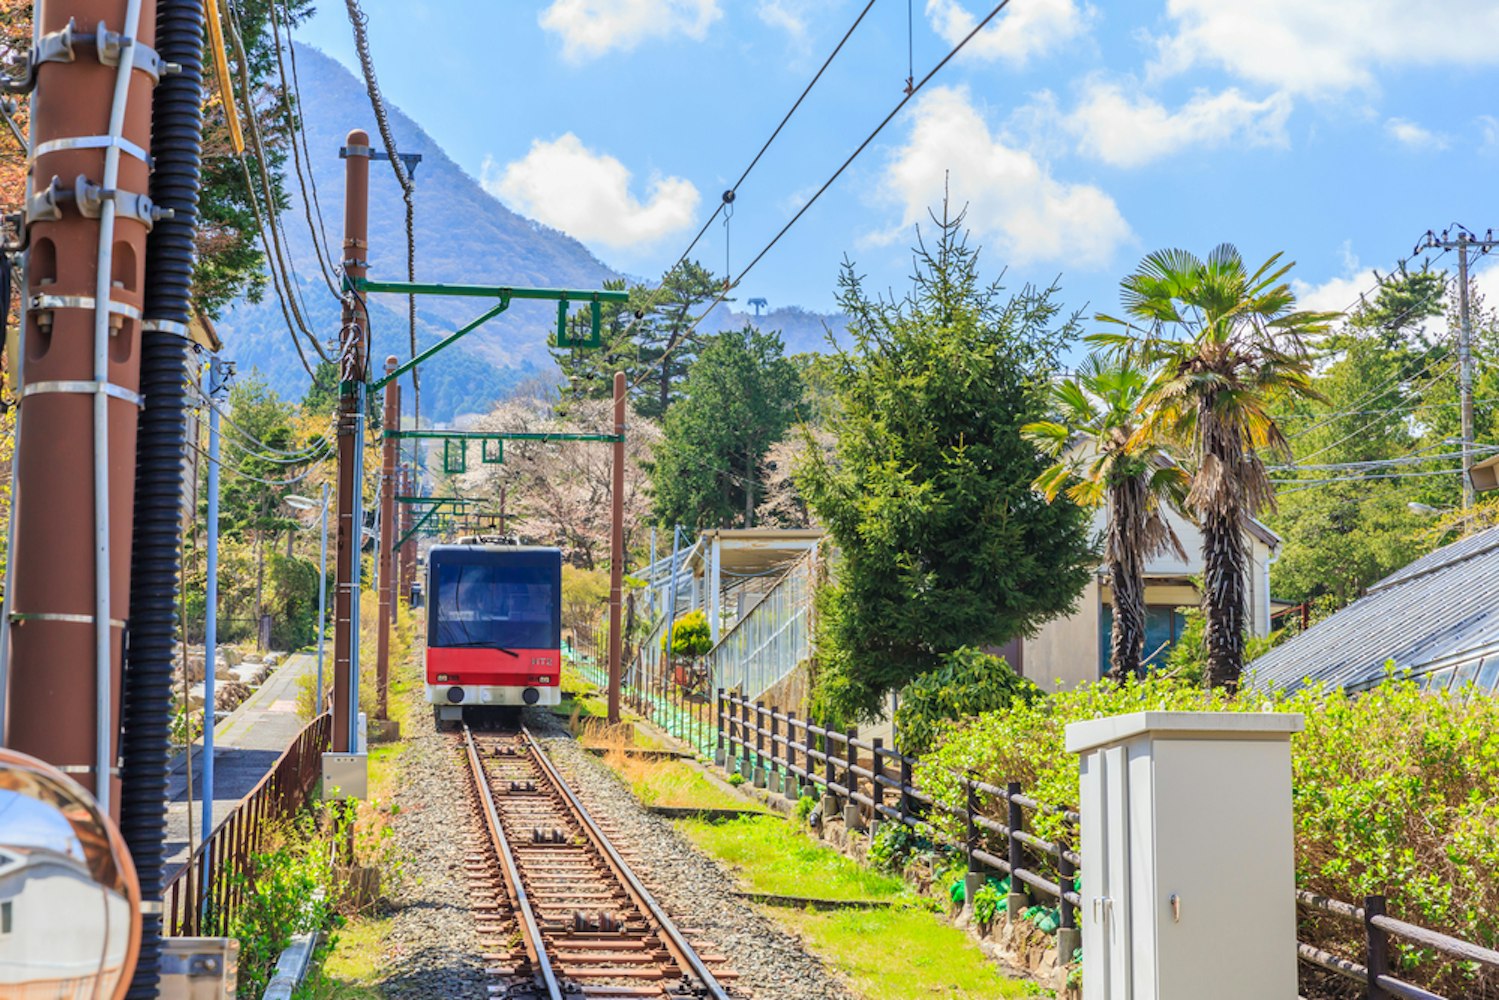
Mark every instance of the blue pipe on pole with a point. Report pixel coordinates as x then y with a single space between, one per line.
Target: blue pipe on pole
322 603
211 602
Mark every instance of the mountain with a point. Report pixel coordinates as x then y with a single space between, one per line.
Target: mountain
463 235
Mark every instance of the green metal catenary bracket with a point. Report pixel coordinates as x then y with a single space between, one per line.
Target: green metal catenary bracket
454 460
505 294
491 456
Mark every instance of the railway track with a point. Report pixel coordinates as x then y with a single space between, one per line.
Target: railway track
560 913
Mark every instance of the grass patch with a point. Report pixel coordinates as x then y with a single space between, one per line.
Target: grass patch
352 969
673 783
901 953
770 855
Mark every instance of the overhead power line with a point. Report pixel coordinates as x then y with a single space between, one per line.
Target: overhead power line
807 205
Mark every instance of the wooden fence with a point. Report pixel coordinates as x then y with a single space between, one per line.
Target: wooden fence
775 749
205 892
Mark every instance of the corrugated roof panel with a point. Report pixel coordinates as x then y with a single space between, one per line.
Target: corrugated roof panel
1442 604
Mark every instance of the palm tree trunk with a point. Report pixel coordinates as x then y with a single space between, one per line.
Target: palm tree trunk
1124 553
1224 554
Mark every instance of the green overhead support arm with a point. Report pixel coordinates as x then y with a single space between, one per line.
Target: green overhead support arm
504 436
417 526
505 293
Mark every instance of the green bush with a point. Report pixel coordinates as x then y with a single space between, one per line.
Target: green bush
968 682
1394 791
690 636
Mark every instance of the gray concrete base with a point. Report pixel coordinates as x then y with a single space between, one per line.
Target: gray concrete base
875 825
1015 905
972 883
1069 940
746 769
851 818
791 787
829 806
720 757
760 777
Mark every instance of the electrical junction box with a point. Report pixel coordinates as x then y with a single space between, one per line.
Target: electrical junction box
346 776
195 968
1188 869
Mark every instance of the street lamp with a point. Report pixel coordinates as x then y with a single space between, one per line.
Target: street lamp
307 503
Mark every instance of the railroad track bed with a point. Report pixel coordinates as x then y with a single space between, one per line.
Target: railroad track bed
559 910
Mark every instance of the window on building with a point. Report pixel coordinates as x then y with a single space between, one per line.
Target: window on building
1163 628
5 917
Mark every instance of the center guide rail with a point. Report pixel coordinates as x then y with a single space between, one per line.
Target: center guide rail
585 924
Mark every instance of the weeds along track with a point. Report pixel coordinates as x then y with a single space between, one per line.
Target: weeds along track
560 914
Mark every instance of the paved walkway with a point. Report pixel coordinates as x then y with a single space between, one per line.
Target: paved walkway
246 744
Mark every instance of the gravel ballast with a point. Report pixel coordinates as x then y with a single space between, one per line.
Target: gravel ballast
693 888
432 938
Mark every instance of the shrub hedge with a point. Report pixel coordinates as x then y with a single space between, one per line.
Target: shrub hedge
1395 791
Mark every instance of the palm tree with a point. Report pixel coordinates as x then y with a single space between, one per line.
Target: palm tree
1230 349
1101 458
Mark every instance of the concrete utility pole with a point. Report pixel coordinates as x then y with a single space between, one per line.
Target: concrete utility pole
75 442
617 547
1463 242
385 543
351 346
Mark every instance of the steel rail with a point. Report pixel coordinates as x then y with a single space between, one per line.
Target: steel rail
676 943
531 930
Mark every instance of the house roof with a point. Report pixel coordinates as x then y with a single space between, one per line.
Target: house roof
1441 609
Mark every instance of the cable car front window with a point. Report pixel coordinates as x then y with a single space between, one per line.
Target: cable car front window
499 607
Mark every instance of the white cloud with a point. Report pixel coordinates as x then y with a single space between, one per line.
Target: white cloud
1326 46
1013 200
1486 284
1027 29
788 15
1335 294
1128 130
566 185
590 28
1408 133
1488 127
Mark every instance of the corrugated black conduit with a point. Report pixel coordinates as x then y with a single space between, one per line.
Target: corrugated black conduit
176 144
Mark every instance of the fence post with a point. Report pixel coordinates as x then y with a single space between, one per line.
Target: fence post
790 783
829 800
1378 947
759 772
746 766
736 736
1018 900
905 790
776 772
1069 938
973 879
851 818
877 789
719 755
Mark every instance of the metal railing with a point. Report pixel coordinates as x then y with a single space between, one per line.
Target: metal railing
204 894
770 639
775 749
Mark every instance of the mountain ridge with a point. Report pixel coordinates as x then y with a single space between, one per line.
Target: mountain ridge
464 235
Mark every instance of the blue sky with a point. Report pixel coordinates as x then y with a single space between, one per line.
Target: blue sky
1080 135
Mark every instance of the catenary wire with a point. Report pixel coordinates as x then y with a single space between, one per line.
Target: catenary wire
807 205
226 467
291 95
360 23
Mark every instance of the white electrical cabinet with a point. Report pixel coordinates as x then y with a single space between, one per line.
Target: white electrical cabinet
1188 871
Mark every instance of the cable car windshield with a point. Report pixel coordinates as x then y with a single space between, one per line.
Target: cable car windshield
494 606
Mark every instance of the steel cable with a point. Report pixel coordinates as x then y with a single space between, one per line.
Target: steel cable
360 23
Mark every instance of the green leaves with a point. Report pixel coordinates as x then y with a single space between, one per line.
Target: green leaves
927 491
968 683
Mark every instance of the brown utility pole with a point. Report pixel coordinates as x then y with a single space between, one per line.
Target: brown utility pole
616 546
351 367
75 442
385 538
